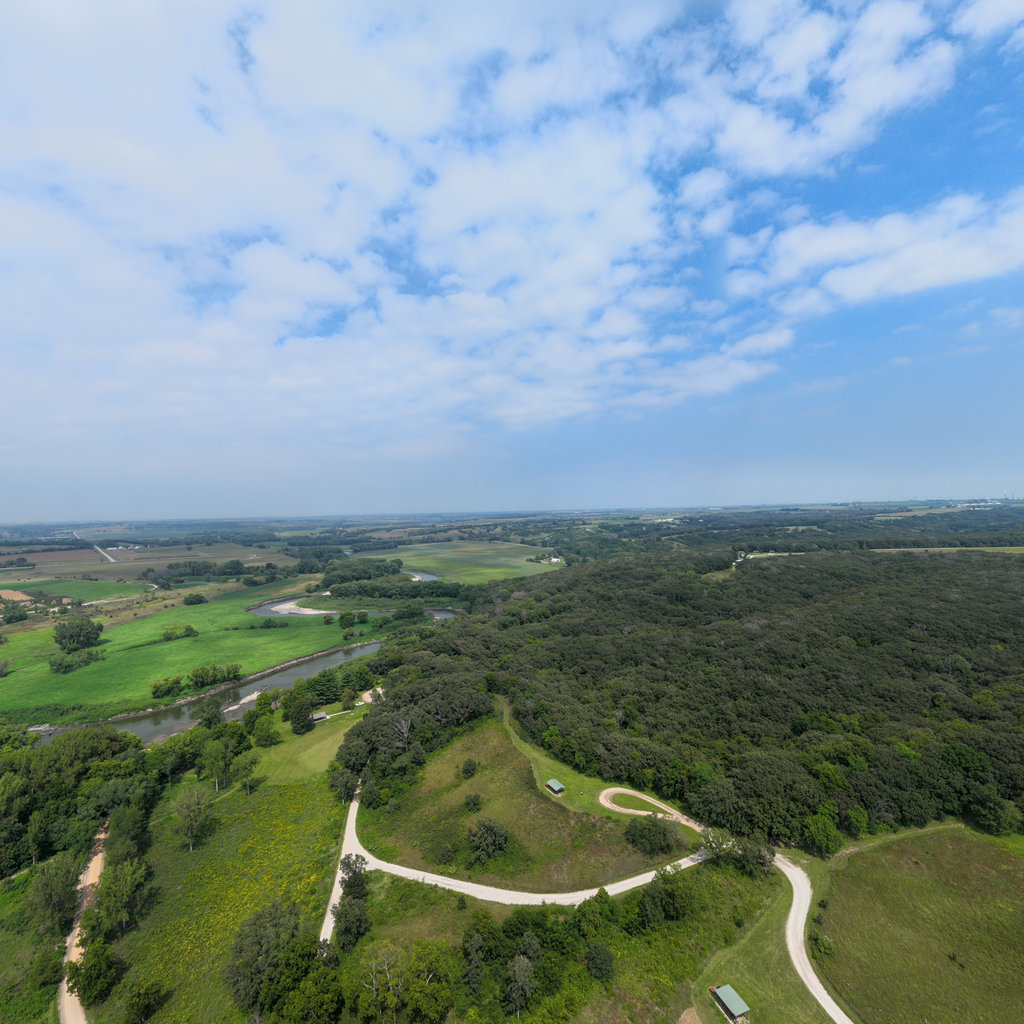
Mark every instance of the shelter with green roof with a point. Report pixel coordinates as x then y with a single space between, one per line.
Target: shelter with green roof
728 998
555 787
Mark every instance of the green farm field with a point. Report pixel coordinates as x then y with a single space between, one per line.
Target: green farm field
280 842
135 657
928 927
552 848
469 561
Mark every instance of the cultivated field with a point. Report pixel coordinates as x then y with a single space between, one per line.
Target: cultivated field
81 590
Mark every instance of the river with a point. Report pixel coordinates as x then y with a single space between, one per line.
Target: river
157 725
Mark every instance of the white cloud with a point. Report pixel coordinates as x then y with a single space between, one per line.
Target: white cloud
983 18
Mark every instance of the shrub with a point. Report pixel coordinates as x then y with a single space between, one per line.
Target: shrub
473 803
194 599
488 837
76 632
600 962
61 664
649 835
469 767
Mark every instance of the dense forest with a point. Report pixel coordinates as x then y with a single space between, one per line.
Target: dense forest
798 697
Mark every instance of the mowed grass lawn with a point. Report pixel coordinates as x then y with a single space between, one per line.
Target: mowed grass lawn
281 842
469 561
551 849
929 927
135 657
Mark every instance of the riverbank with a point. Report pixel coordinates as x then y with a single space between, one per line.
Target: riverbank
176 711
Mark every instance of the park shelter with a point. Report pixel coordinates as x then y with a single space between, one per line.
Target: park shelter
735 1008
555 787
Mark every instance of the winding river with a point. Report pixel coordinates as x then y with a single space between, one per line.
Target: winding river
158 725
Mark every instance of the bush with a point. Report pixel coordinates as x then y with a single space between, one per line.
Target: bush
194 599
488 837
61 664
600 962
469 767
649 835
473 803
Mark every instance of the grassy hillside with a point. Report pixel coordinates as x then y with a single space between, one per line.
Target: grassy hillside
551 849
279 842
929 927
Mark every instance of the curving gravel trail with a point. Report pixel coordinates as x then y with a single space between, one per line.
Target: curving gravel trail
794 922
351 844
795 938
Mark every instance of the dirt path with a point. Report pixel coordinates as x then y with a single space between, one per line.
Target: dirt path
70 1008
605 799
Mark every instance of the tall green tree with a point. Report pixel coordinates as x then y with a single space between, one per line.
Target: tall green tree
76 632
193 809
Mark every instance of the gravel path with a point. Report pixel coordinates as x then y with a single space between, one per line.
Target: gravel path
351 844
794 922
795 938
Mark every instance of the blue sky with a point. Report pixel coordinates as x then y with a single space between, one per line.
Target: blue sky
308 258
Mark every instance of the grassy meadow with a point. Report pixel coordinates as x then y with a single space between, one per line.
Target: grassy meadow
280 842
469 561
552 849
135 656
759 968
654 970
928 927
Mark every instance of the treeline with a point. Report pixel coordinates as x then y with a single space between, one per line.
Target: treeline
406 588
347 570
390 744
53 798
802 698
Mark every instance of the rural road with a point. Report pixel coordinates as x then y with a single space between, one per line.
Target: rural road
70 1008
794 922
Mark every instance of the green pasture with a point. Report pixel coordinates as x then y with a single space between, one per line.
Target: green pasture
135 657
928 926
469 561
551 849
280 842
80 590
759 968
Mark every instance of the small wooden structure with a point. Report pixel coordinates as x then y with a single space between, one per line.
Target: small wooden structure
554 787
320 716
730 1002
